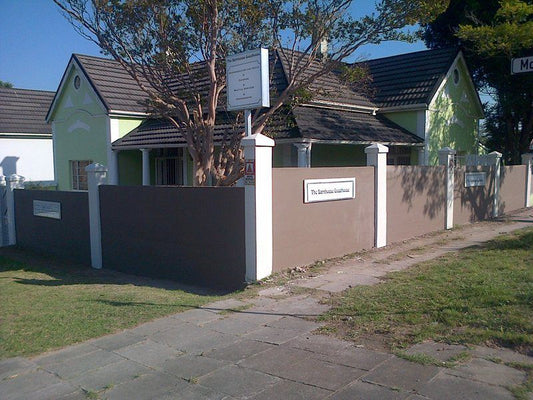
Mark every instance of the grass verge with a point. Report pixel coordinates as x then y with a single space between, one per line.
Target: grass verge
45 304
478 295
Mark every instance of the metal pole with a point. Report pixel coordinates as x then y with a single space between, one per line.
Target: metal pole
248 122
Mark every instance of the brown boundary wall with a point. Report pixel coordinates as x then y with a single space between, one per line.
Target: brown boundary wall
416 201
513 188
473 203
67 237
304 233
194 235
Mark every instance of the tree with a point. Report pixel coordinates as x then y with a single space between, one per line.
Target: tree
175 51
6 84
492 33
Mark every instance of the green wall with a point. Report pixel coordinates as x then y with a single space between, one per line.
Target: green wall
80 129
453 117
406 119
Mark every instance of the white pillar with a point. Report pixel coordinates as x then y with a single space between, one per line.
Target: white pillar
496 164
3 209
447 158
13 182
376 156
304 154
146 167
96 176
258 206
527 160
112 175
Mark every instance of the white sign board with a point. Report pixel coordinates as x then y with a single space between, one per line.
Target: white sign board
475 179
47 209
316 190
247 80
520 65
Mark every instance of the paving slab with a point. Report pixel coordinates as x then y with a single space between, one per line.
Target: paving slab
239 351
237 381
15 366
440 351
196 316
369 391
110 375
117 341
191 366
272 335
446 387
235 324
74 367
149 386
64 354
319 344
208 342
225 305
194 392
23 385
275 360
321 373
293 391
51 392
398 373
176 336
489 372
149 353
295 324
505 355
355 357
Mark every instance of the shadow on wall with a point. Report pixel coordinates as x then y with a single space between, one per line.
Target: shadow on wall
424 181
8 166
478 199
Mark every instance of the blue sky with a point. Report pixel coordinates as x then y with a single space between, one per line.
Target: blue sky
36 42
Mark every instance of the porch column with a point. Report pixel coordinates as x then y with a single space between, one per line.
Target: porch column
304 154
527 159
447 158
496 159
146 166
112 177
258 206
376 156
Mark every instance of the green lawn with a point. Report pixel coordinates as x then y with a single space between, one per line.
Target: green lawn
46 304
473 296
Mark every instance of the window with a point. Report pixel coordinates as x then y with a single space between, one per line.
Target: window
456 76
77 82
79 175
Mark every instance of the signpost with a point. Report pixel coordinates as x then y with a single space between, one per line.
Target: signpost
521 65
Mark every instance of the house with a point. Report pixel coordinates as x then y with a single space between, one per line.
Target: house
421 102
26 146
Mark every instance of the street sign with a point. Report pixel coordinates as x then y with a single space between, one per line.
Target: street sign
521 65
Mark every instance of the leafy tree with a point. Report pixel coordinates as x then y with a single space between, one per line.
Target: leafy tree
6 84
175 50
492 33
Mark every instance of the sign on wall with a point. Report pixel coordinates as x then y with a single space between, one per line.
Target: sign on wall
475 179
47 209
249 172
247 80
316 190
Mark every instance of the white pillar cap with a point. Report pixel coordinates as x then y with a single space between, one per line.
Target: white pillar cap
376 148
447 150
257 140
96 167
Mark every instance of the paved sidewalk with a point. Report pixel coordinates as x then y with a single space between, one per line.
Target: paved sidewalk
268 351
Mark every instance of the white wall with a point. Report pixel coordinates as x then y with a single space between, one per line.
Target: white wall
30 158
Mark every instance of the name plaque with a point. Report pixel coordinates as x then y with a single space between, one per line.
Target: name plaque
47 209
316 190
473 179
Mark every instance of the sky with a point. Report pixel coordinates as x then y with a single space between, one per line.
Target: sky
36 42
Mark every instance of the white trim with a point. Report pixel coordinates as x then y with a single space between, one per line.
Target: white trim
8 135
336 105
408 107
118 113
351 142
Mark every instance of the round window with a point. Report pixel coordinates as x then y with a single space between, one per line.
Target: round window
77 82
456 76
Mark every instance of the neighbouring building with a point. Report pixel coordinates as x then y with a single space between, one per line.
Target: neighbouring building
420 102
26 146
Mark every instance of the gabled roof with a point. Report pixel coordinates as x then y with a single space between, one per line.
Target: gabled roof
24 111
410 79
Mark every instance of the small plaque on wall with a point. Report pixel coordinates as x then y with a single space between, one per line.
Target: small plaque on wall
47 209
316 190
473 179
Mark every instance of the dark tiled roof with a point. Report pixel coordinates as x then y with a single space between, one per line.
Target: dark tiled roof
331 124
116 88
410 78
303 123
24 111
